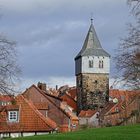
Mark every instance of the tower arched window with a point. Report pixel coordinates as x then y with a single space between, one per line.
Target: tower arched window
90 63
101 63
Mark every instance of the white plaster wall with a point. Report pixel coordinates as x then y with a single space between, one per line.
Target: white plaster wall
93 121
29 134
15 135
95 69
84 120
42 133
4 135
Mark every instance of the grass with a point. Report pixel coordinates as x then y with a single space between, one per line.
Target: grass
108 133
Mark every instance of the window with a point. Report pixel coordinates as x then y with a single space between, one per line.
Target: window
97 115
101 64
4 103
13 116
117 109
90 63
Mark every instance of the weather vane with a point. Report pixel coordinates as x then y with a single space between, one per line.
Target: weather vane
91 14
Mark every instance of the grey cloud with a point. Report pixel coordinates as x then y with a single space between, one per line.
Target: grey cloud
50 33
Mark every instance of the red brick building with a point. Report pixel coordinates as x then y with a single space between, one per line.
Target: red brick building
57 111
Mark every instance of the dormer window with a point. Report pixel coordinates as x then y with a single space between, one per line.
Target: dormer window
13 116
101 64
90 63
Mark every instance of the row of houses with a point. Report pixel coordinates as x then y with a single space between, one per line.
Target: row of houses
35 111
40 110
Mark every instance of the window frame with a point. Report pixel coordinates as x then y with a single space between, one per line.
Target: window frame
13 116
90 63
101 64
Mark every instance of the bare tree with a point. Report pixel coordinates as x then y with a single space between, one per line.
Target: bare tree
128 56
9 69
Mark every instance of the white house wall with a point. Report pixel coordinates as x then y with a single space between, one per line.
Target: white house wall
92 121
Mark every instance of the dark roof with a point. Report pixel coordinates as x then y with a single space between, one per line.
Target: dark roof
92 45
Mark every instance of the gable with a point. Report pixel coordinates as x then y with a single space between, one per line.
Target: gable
30 119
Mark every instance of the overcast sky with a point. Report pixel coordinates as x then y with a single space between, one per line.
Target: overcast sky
50 33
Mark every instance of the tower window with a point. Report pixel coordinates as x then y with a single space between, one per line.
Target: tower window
90 63
101 63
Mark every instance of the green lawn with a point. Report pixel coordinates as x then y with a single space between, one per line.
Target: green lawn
109 133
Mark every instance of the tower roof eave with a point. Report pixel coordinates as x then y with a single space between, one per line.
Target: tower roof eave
92 45
93 52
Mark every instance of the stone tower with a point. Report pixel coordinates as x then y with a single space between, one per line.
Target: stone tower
92 66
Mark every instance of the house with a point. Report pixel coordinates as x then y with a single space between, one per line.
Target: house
108 113
89 117
63 117
35 111
22 118
68 95
124 111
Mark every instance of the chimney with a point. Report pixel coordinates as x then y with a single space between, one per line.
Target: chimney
56 87
42 86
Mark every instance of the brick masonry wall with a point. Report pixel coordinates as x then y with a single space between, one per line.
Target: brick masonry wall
92 90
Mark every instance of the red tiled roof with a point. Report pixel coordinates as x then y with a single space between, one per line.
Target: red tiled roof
72 92
122 95
69 114
12 107
47 92
41 106
70 101
107 108
6 98
30 119
87 113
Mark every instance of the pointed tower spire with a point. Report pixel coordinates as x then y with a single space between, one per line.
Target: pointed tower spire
92 66
92 45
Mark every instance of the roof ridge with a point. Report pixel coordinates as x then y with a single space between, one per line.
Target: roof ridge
71 114
45 92
69 96
46 120
66 113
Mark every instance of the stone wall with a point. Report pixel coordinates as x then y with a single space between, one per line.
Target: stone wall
92 90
